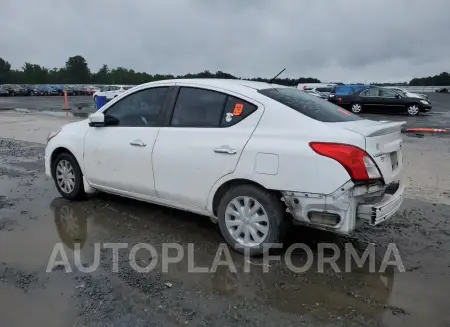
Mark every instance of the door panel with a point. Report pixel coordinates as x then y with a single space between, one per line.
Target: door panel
392 103
119 156
111 160
187 161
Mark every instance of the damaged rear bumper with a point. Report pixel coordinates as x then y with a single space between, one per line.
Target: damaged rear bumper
342 210
383 210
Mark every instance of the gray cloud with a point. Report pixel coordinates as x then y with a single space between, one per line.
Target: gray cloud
349 40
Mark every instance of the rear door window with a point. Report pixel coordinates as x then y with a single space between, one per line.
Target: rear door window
312 107
372 92
236 110
198 108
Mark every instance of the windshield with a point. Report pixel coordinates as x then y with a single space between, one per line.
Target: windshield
310 105
399 91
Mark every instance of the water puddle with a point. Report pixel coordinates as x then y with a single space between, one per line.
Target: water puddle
35 219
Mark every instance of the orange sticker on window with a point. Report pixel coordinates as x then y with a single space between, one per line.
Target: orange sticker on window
238 108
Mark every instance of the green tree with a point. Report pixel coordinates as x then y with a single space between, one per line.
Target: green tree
34 74
76 71
5 70
102 76
442 79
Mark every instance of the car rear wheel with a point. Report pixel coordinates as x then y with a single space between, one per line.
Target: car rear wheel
251 218
356 108
413 110
68 177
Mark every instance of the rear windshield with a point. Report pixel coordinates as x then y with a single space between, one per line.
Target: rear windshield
310 105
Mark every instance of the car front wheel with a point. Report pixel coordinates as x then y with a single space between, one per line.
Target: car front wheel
413 110
356 108
68 177
251 218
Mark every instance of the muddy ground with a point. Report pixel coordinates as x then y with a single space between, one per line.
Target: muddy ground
33 218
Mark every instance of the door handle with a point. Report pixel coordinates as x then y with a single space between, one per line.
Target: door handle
225 150
138 143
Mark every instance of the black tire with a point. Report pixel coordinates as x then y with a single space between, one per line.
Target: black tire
273 207
77 192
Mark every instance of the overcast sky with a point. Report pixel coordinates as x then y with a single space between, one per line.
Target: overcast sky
345 40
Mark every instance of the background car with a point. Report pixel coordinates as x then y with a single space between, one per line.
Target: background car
377 99
346 89
442 90
17 90
51 90
321 87
3 91
408 94
40 90
112 91
316 94
90 90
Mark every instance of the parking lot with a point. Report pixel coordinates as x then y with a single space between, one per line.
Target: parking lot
81 106
33 218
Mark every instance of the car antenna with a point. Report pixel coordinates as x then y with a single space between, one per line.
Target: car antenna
270 82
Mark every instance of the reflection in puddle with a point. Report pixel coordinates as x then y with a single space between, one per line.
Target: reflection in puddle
322 295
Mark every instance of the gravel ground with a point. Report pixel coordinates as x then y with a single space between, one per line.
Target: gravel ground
33 218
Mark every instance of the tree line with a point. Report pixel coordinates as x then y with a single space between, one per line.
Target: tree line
76 71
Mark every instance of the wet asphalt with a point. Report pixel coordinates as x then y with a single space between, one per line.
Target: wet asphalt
81 106
33 218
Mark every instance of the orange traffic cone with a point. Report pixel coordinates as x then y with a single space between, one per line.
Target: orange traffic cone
66 101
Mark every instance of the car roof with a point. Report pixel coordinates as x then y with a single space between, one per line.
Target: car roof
228 84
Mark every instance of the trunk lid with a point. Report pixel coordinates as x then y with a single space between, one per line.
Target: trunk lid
383 143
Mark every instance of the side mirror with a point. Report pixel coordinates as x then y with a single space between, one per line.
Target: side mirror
97 119
398 96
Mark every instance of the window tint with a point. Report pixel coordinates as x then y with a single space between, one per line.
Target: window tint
324 89
139 109
198 108
372 92
236 110
387 93
313 107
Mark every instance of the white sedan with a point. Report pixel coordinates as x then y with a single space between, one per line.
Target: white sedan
112 91
253 156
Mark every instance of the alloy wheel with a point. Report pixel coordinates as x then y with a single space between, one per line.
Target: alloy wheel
356 108
413 110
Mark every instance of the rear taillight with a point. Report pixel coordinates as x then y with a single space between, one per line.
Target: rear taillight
305 86
356 161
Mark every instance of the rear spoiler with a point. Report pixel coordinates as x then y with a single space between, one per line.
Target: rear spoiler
386 128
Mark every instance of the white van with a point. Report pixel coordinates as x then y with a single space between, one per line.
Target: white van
325 88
